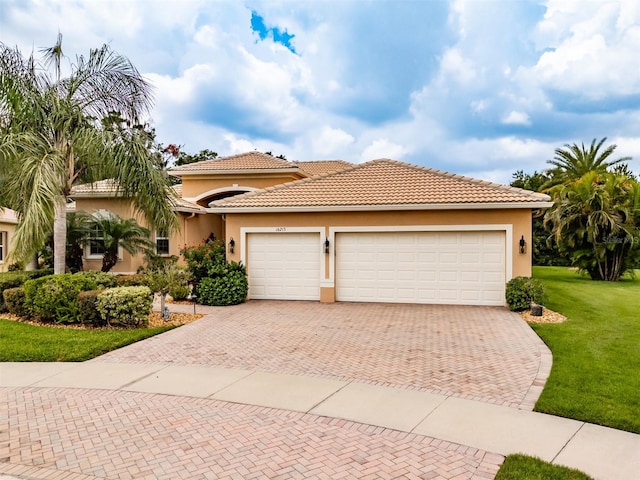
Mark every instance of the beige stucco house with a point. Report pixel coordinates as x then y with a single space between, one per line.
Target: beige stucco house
381 231
8 222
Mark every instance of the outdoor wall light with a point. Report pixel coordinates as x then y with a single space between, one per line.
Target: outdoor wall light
326 245
523 245
232 245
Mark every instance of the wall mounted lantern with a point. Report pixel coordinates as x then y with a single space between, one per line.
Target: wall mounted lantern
232 245
326 245
523 245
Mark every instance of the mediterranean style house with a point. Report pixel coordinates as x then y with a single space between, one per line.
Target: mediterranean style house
380 231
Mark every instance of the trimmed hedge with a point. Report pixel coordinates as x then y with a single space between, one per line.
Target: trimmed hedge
15 279
522 291
14 301
136 280
125 306
229 289
88 310
54 298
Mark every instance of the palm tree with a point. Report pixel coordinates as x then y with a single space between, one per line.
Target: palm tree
114 232
596 220
52 137
574 161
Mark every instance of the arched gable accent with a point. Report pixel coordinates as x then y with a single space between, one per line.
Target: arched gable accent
217 193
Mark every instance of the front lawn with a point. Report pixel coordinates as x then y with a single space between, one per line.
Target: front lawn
20 342
523 467
596 352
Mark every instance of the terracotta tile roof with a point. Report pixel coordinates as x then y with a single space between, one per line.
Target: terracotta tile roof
110 187
379 183
319 167
102 186
243 161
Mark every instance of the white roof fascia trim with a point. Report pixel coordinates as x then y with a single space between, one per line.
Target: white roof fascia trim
358 208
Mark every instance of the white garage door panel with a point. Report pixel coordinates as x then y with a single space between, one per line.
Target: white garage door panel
284 266
421 267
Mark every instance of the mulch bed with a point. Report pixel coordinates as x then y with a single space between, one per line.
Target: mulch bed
155 320
548 316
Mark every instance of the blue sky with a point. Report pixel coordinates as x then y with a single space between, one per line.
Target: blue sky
476 87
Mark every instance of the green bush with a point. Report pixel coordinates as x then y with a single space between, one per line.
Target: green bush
87 308
125 306
54 298
14 300
137 280
179 292
204 258
522 291
100 279
10 280
229 289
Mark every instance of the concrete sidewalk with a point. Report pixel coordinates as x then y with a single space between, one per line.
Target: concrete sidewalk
601 452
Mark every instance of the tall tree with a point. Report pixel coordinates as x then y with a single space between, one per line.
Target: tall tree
573 161
53 137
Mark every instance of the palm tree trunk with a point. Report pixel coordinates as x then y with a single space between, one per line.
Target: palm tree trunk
59 235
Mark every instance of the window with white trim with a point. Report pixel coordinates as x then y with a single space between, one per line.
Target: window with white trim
96 243
162 243
3 241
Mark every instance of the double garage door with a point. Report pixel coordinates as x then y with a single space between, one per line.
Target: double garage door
466 267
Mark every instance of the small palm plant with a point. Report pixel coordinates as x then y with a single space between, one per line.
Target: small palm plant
116 232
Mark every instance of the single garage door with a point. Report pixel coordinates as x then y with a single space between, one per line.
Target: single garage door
465 268
284 266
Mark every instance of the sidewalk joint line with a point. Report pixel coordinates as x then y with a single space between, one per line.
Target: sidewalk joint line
329 396
582 424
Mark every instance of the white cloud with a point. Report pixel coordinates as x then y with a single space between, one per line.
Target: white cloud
593 48
238 145
516 118
453 66
331 141
383 148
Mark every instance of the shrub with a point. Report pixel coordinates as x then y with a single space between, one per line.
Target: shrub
100 279
229 289
14 300
179 292
55 297
10 280
125 306
137 280
204 258
87 308
522 291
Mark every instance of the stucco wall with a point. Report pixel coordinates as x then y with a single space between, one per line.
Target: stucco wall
193 229
10 228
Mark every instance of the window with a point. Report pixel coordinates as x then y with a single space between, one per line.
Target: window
96 243
162 243
3 241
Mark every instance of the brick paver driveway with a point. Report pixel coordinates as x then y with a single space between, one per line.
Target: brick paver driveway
483 353
75 434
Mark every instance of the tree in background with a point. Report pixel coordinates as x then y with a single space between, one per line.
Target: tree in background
596 221
574 161
52 137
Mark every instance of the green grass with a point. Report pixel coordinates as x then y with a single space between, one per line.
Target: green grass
20 342
522 467
596 352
